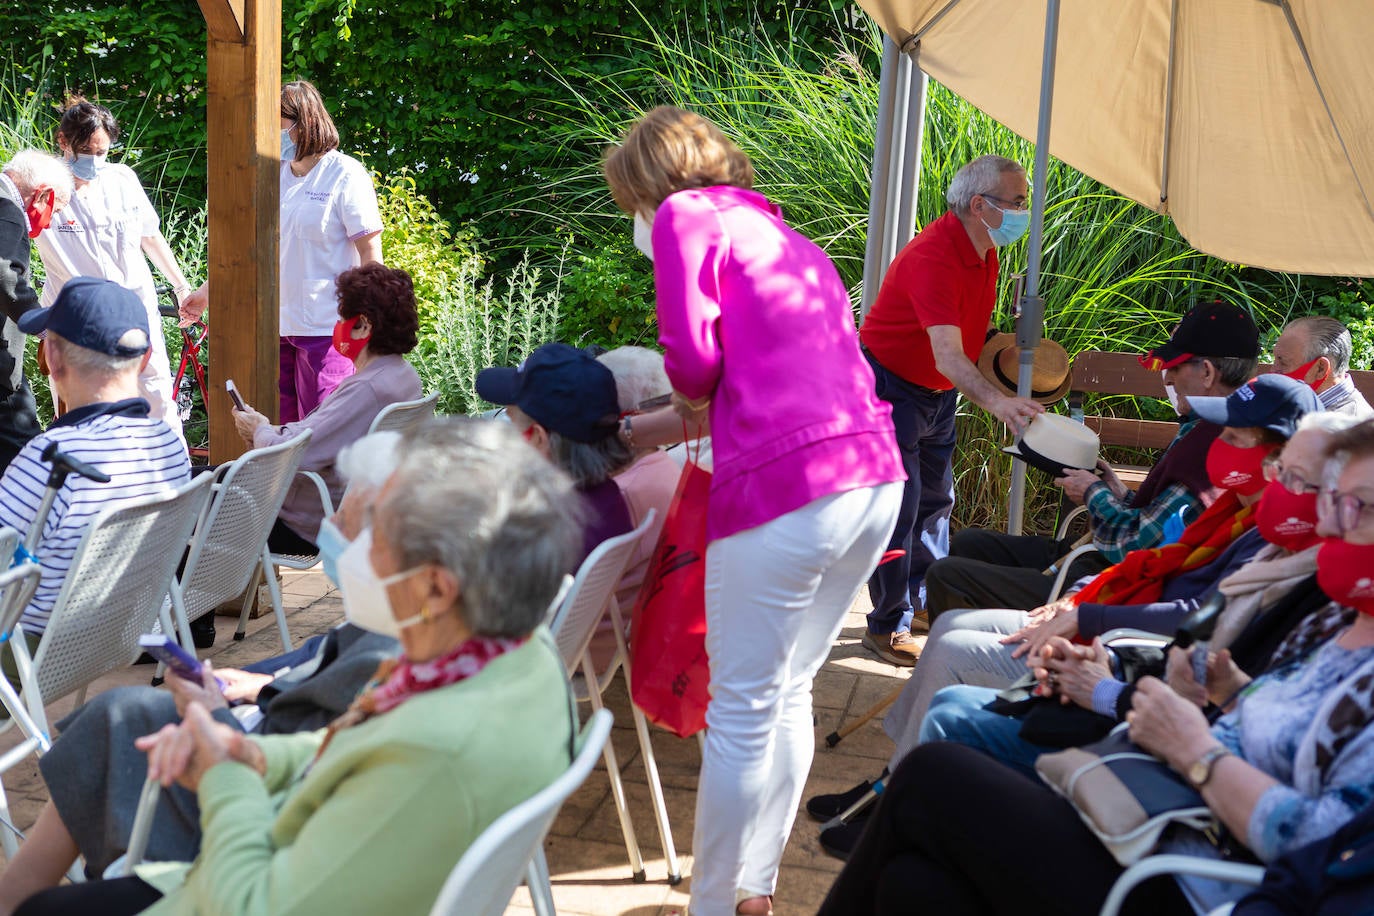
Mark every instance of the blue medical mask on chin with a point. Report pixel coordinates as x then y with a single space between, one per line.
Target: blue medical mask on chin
87 165
331 543
1014 225
288 146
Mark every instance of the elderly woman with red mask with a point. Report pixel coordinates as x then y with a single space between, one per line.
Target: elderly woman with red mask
1290 761
376 328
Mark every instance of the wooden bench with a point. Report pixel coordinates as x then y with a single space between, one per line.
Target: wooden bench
1103 372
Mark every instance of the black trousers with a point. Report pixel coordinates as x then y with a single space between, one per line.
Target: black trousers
995 570
957 833
116 897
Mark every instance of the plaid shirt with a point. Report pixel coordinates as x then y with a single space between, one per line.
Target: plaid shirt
1119 528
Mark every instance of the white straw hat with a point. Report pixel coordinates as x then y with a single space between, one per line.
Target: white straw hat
1054 443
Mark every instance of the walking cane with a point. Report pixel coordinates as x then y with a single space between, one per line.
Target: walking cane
839 735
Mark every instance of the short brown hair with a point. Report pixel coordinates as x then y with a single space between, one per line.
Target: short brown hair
387 297
1355 442
315 131
670 150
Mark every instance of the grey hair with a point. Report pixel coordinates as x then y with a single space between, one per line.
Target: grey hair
95 364
1325 337
588 463
638 373
1328 421
980 176
1233 371
31 168
369 461
470 496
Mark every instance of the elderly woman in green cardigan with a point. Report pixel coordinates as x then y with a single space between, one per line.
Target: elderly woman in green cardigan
469 541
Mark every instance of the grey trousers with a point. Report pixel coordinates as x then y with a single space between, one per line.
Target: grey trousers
963 648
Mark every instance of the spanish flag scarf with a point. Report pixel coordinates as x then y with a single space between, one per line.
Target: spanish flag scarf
1140 577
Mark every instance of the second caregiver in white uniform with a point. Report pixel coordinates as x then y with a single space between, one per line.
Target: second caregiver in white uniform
105 232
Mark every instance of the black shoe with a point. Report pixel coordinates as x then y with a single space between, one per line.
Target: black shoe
823 807
203 631
840 841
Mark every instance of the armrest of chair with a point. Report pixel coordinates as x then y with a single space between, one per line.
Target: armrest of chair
1064 564
1063 530
1177 865
1125 636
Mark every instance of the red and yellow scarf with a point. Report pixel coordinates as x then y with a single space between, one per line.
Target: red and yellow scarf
1140 577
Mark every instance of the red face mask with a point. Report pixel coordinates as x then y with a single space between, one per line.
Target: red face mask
1298 373
1345 572
344 342
39 213
1287 519
1231 467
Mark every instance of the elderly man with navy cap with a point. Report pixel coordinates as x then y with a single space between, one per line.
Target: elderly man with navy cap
565 404
97 343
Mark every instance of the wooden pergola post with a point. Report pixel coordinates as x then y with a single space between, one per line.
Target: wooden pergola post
243 63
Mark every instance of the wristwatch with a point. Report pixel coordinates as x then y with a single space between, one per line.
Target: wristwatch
1201 771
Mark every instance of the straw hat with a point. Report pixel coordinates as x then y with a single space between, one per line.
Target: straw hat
1050 373
1054 443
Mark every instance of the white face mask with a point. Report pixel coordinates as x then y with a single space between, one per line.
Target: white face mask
366 603
1172 395
644 229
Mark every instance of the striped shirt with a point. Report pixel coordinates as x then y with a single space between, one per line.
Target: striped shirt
140 453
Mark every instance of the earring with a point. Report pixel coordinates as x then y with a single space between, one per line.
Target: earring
425 615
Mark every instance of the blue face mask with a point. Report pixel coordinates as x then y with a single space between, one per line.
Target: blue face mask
288 146
331 543
86 166
1014 225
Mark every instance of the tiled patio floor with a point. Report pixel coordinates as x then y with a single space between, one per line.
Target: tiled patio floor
586 853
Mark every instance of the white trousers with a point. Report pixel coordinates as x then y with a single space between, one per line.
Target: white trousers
776 596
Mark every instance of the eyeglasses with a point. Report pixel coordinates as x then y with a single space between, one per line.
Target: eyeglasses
1011 204
1292 481
1343 509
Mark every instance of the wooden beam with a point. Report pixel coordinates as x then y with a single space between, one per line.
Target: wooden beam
225 19
244 159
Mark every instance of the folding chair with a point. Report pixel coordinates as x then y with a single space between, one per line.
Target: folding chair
482 882
592 595
229 548
404 415
1154 866
112 594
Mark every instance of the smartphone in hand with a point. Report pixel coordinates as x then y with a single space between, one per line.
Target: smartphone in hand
234 395
180 662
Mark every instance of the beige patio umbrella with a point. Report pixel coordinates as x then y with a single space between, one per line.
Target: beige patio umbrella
1249 122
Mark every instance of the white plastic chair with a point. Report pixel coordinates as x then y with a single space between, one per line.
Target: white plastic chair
229 547
404 415
591 596
399 417
1154 866
112 594
482 882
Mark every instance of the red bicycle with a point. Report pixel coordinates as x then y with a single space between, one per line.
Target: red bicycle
185 385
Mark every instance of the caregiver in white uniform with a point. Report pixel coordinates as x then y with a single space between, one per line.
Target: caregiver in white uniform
105 231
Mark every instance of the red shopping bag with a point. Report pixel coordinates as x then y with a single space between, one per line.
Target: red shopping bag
668 667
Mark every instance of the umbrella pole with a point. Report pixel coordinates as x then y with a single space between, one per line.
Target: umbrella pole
880 185
1030 313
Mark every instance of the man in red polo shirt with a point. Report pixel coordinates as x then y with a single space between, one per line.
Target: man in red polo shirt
922 337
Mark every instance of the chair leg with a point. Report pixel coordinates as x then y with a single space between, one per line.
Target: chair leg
8 840
248 602
274 589
627 827
646 750
537 881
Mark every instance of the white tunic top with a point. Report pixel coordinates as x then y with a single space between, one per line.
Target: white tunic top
322 213
100 234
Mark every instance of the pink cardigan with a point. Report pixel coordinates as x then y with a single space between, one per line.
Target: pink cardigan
754 315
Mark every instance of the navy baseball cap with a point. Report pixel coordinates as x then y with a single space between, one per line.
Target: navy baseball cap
563 389
1215 329
94 314
1273 402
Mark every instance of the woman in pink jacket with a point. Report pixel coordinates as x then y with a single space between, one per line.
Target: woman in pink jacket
759 336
